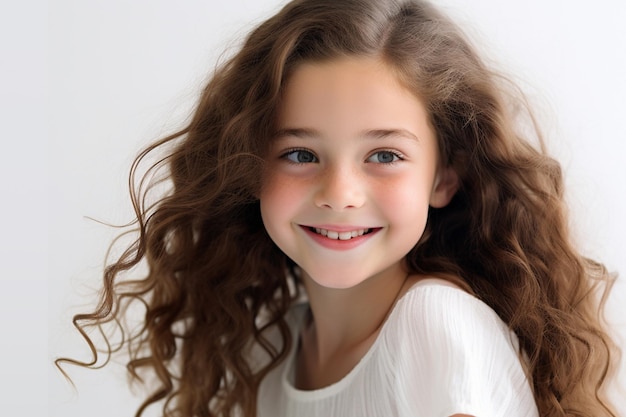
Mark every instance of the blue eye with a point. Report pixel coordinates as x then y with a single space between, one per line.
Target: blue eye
300 156
384 157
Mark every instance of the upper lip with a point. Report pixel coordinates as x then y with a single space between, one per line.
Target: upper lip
337 227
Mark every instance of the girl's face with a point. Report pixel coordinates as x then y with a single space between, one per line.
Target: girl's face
351 172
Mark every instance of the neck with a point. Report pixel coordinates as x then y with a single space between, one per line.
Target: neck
346 320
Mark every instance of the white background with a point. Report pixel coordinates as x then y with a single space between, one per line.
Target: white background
123 73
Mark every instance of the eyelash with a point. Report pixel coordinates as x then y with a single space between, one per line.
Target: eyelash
399 157
285 155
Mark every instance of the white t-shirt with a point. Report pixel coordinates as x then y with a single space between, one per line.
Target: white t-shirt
440 352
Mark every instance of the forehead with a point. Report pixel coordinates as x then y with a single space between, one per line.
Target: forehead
360 93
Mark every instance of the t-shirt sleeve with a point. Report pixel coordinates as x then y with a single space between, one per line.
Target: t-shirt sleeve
455 355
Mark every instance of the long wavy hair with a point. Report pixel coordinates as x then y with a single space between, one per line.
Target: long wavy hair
215 282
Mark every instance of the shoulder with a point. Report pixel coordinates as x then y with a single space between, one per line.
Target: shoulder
437 316
454 348
432 303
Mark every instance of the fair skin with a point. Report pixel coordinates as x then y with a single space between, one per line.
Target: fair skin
349 180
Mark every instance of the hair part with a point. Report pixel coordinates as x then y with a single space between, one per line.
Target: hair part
216 282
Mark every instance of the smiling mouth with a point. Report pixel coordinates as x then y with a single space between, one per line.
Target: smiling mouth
331 234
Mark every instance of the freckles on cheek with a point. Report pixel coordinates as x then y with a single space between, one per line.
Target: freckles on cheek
277 194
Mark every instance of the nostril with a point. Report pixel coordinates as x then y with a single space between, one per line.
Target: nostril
339 197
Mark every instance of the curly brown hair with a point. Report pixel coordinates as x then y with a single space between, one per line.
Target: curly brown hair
216 282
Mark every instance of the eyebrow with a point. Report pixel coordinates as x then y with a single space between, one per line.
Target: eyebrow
368 134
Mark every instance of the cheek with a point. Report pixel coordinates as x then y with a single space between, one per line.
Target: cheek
269 197
406 202
278 199
409 190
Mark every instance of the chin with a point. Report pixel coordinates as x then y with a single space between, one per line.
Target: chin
334 280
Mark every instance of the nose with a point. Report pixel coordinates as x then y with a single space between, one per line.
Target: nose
340 189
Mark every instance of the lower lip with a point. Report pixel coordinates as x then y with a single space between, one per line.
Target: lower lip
338 244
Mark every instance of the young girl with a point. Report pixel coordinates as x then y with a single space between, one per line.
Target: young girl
357 226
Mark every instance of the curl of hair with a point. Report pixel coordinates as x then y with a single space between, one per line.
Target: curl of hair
216 282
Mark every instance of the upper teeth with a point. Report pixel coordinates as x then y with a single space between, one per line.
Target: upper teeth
331 234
